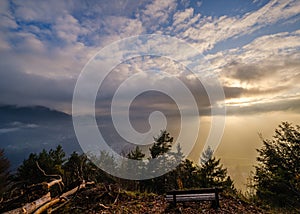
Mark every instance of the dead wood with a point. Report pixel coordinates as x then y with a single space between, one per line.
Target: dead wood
32 206
61 198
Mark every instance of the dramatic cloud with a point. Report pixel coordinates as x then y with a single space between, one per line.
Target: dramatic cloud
156 14
29 89
252 46
262 71
49 44
205 32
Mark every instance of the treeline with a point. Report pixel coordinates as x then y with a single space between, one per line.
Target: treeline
48 166
276 180
77 167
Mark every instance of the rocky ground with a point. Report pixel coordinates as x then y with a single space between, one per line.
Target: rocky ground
107 199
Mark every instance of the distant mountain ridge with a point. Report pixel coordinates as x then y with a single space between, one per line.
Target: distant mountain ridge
28 129
30 114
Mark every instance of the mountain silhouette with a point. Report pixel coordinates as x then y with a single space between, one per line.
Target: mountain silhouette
28 129
30 114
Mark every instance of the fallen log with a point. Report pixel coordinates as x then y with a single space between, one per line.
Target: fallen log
63 197
45 202
31 206
46 206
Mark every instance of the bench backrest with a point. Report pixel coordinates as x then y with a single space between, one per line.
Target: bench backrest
195 191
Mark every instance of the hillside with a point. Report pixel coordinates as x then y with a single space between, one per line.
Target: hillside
98 200
30 114
28 129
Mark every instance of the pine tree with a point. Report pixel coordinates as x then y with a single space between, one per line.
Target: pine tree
277 174
4 173
104 161
159 162
162 144
206 155
212 173
79 168
186 176
136 154
51 162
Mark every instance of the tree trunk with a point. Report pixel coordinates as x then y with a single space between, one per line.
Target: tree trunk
45 202
31 206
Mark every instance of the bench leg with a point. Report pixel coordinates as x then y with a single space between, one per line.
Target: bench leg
174 200
215 203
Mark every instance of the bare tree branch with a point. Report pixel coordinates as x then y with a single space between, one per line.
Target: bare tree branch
44 173
58 181
63 197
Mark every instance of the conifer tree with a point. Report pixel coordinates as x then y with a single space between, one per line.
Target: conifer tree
4 173
277 174
212 173
162 144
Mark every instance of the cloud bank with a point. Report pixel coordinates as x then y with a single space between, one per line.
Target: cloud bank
44 46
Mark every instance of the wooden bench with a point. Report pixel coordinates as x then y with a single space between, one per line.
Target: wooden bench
205 194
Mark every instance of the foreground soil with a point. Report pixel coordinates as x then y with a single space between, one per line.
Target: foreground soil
108 199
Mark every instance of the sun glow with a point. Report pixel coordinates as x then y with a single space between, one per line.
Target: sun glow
242 101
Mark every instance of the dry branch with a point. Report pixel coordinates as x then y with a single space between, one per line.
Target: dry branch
63 197
44 173
45 202
102 205
116 199
52 183
58 181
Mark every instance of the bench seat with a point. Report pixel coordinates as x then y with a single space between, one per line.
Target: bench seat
205 194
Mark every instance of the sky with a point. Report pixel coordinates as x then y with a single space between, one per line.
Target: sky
252 46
